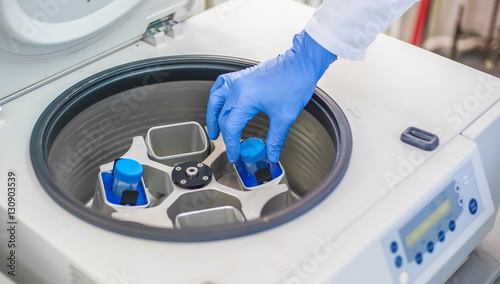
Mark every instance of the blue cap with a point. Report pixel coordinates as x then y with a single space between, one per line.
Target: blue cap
128 171
252 150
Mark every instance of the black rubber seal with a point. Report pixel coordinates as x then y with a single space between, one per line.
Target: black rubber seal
82 95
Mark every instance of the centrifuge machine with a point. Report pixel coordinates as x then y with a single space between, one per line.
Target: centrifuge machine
388 175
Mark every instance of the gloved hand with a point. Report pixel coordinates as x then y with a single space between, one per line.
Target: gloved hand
279 87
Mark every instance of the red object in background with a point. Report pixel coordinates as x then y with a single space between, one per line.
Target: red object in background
418 32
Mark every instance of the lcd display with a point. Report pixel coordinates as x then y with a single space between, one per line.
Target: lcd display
421 229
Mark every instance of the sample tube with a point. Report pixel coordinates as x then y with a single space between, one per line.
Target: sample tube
127 174
253 154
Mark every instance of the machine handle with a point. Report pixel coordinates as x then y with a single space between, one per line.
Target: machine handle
420 138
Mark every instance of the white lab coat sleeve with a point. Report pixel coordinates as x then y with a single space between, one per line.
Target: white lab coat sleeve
347 27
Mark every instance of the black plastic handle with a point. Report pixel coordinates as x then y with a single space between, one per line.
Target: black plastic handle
420 138
129 197
114 164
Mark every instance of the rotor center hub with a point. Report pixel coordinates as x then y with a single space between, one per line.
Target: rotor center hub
191 175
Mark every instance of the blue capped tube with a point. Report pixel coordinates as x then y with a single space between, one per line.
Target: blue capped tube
253 154
128 174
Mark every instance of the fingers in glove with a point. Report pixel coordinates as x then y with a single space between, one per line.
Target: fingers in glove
276 136
218 83
232 123
215 103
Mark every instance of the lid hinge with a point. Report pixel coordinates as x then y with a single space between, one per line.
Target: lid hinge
157 30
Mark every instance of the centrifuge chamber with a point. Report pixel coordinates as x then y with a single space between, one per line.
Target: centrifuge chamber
93 123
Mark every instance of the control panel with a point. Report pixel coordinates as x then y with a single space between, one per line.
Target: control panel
413 245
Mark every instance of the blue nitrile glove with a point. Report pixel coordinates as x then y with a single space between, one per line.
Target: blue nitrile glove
279 87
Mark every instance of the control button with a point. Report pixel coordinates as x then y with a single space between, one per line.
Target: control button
394 247
465 180
473 206
441 236
452 225
457 188
418 258
460 201
398 261
430 247
404 278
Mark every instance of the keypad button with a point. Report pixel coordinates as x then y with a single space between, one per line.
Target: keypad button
441 236
430 247
473 206
418 258
398 261
404 277
465 180
452 225
394 247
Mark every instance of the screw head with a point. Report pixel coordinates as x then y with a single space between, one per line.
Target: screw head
183 181
205 177
200 165
178 168
192 172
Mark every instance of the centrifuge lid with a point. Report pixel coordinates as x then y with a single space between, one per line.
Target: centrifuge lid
41 39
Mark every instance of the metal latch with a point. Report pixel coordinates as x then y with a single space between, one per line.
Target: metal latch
157 30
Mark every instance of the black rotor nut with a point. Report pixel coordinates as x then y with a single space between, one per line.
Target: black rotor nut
191 175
